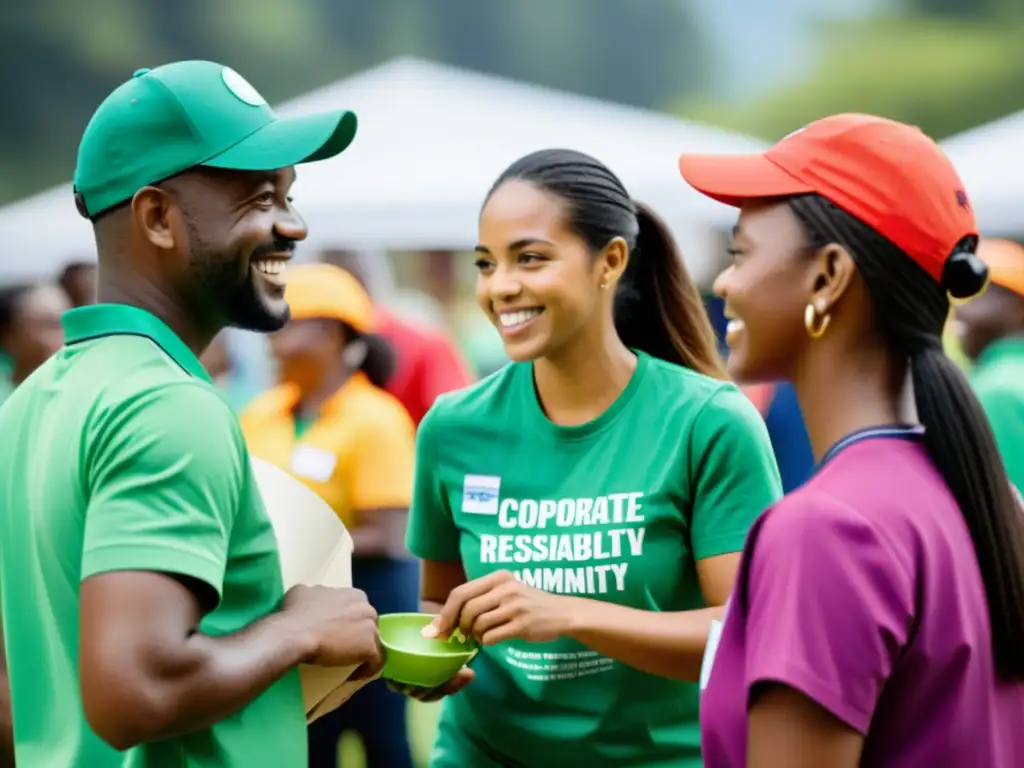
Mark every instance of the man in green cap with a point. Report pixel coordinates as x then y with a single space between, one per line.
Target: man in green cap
142 603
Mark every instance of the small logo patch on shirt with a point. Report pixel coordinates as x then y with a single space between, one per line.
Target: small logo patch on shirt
480 494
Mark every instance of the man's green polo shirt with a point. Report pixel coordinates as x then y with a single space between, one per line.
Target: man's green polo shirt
119 454
998 379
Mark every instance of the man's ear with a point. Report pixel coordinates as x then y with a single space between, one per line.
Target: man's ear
152 209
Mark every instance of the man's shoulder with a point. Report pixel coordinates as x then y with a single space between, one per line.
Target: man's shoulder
96 376
125 381
115 363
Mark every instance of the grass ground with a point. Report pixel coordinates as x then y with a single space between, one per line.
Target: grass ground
422 719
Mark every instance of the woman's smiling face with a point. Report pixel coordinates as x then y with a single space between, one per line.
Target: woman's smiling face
538 283
766 290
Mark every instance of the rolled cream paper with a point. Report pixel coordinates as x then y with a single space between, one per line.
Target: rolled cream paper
315 549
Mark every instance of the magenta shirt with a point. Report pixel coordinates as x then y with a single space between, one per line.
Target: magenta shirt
861 590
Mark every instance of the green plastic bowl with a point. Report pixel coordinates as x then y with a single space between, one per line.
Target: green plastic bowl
412 659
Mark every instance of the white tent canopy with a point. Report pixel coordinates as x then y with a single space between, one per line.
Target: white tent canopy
431 141
990 159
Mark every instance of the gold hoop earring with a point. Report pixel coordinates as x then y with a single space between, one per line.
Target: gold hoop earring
815 329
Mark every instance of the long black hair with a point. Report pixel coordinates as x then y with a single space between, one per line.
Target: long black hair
658 308
911 310
379 362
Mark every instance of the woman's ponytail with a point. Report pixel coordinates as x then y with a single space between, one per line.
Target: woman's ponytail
372 355
658 307
961 444
911 308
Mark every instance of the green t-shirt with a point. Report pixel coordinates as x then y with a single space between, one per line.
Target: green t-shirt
119 454
618 509
998 379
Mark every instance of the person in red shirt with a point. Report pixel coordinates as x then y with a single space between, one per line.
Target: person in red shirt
428 364
427 361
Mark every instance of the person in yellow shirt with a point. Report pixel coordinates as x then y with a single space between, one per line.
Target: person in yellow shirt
330 423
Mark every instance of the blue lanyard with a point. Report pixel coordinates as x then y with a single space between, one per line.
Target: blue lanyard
895 431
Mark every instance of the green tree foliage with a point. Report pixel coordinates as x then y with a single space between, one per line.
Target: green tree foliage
59 59
945 75
963 9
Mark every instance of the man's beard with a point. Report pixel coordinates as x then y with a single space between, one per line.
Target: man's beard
244 307
233 297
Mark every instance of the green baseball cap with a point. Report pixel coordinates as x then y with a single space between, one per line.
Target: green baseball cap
192 113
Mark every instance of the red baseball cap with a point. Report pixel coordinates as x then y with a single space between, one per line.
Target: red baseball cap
888 174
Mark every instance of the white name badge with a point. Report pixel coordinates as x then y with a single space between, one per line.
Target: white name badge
480 494
313 463
714 636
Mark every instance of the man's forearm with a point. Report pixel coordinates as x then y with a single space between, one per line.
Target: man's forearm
209 680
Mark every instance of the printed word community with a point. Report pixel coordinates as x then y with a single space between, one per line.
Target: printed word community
591 540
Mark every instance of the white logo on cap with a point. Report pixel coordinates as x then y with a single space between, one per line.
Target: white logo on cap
239 86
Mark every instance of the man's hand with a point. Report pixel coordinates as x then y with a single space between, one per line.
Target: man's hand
342 625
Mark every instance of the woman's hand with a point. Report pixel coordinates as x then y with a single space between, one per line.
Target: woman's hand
462 678
499 607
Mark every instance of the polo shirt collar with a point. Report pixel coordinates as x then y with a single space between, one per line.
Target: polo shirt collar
99 320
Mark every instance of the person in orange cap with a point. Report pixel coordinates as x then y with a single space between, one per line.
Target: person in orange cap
990 329
331 424
876 618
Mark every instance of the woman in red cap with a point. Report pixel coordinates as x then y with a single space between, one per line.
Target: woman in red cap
878 615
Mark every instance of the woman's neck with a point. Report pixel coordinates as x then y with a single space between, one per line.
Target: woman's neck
840 394
311 400
580 383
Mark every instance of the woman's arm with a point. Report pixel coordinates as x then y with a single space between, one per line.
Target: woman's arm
380 533
499 607
380 481
732 475
829 603
664 644
433 537
786 729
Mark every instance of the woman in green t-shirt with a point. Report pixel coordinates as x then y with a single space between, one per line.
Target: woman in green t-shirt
582 510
